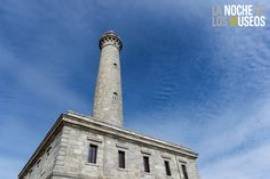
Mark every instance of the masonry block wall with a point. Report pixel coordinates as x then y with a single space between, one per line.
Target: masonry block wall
46 161
108 93
70 150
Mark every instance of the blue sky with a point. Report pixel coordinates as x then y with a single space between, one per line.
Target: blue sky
183 80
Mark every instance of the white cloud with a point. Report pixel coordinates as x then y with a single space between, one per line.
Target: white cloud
229 147
36 80
253 164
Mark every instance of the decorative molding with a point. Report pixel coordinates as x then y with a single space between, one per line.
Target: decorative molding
182 161
121 145
166 156
128 135
145 152
94 139
110 38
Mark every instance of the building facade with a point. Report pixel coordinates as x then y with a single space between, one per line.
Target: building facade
98 147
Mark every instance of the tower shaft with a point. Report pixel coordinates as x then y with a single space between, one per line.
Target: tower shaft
108 93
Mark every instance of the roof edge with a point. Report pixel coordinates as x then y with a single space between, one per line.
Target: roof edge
91 120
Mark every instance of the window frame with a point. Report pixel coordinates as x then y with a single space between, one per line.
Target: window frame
48 151
38 163
121 159
167 168
92 153
184 171
146 164
115 97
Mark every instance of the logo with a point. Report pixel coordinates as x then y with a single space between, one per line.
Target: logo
237 15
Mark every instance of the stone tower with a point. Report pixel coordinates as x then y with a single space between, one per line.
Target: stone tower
108 94
99 147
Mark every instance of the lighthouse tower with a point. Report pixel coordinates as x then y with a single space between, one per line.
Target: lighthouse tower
108 93
98 146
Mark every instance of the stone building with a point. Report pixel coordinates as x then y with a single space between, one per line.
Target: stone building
98 147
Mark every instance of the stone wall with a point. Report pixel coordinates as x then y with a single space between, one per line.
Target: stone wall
73 164
46 161
108 94
66 155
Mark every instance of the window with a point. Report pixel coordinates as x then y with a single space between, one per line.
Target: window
48 151
30 172
115 97
121 159
115 65
184 170
167 168
146 164
38 162
92 156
